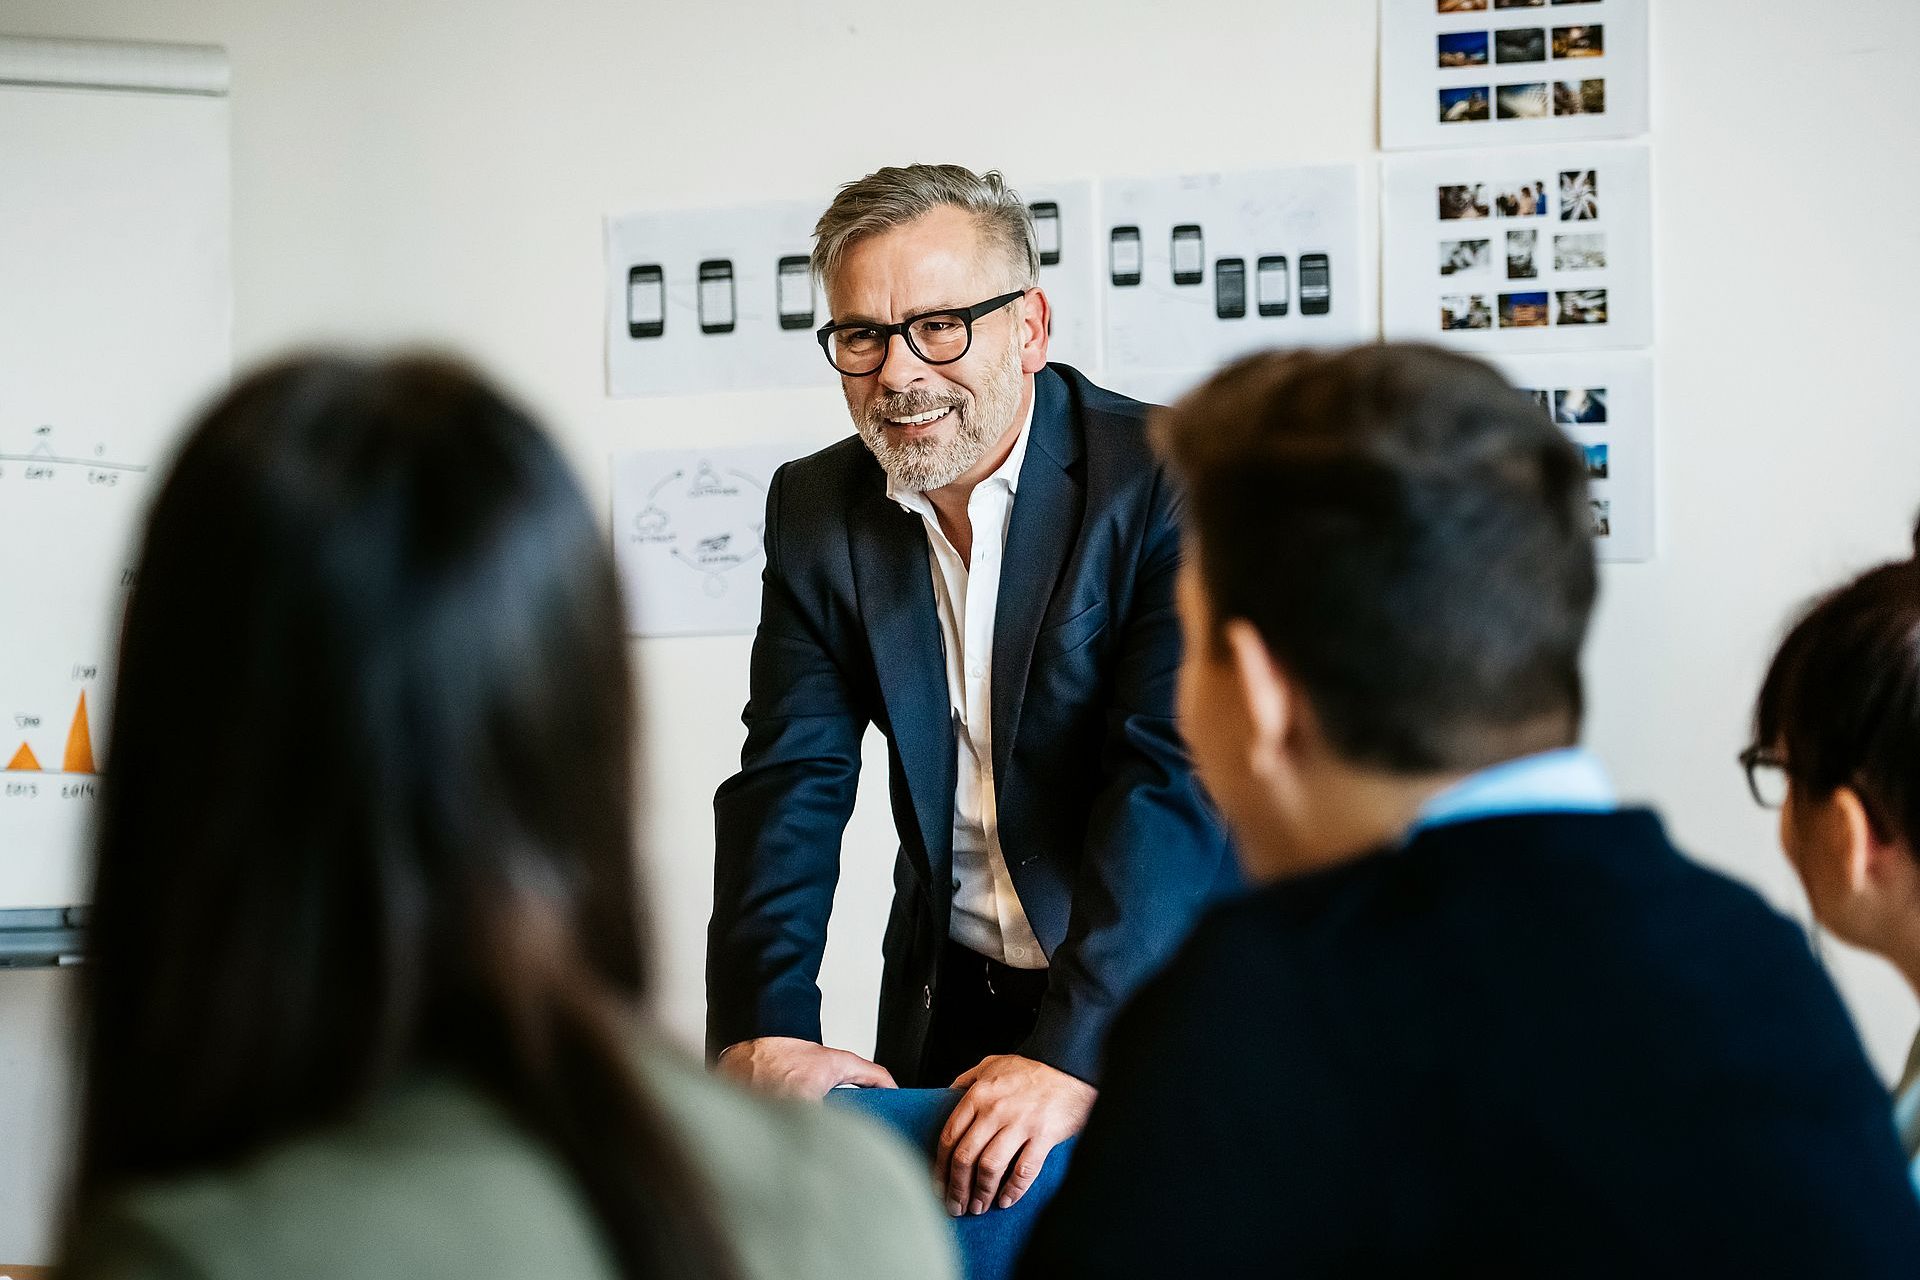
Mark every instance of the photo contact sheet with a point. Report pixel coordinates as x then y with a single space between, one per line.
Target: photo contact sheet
1479 72
1519 249
1603 400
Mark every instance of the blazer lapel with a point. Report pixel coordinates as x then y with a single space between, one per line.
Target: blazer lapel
895 586
1040 534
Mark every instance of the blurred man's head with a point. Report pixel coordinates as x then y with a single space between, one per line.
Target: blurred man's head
1388 578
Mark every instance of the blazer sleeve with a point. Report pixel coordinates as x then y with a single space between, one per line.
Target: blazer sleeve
778 822
1155 851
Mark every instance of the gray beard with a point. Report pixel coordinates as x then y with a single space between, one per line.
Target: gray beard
979 421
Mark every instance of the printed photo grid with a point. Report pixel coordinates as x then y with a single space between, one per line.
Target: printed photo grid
1604 402
1455 72
1522 249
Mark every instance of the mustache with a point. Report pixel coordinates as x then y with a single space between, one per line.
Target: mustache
907 404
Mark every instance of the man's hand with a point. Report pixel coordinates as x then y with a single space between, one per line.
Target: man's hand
790 1068
1015 1111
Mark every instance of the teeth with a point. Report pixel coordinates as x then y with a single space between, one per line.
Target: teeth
919 419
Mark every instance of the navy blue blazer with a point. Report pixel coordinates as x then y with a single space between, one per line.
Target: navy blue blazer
1109 842
1535 1045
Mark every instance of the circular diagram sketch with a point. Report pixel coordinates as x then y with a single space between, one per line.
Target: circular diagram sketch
688 529
708 518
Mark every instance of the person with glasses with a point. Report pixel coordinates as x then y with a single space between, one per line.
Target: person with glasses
1837 752
985 572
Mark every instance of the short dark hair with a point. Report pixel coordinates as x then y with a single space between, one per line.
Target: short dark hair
1409 535
1842 696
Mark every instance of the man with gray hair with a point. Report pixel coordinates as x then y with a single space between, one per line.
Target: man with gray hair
986 573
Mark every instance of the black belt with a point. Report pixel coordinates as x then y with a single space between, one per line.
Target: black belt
1001 981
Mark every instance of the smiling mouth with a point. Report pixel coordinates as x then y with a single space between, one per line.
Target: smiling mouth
919 421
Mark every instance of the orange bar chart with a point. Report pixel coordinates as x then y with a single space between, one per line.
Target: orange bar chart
78 757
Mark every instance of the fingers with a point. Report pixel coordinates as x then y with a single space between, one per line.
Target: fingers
957 1125
1026 1167
788 1067
996 1159
997 1140
855 1069
966 1151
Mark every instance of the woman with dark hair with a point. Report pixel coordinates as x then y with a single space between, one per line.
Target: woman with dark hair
368 990
1837 751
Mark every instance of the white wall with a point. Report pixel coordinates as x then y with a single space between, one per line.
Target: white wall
439 170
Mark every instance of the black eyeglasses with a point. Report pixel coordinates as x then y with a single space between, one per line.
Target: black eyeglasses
858 349
1766 771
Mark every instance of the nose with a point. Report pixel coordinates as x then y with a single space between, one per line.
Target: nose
902 368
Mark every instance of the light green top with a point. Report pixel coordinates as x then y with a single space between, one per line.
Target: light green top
437 1182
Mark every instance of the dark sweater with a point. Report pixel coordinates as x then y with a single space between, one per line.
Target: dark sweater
1544 1044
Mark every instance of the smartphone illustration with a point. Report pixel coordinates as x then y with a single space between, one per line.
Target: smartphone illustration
716 295
794 293
1230 288
1123 252
1188 257
1272 284
1316 291
646 301
1046 231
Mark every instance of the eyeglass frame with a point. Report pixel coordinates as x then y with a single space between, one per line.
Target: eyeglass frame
968 316
1757 757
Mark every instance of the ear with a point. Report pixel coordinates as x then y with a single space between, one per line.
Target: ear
1036 326
1266 695
1873 862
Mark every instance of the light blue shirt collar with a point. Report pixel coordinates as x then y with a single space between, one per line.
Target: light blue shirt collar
1570 780
1906 1112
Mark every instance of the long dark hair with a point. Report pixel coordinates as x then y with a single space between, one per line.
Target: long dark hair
367 804
1842 697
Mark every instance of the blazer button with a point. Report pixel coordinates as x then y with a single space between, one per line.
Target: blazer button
926 997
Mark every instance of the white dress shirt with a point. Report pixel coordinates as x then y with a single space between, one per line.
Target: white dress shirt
987 915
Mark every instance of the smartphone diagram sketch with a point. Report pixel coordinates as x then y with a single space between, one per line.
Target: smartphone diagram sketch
1316 292
646 301
1123 253
1046 231
1271 284
795 293
1189 259
716 295
1230 288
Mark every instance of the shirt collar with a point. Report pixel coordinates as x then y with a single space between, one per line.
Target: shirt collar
1570 780
1007 473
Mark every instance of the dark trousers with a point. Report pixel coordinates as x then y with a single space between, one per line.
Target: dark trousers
981 1008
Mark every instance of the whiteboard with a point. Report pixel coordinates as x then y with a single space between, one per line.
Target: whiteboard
115 324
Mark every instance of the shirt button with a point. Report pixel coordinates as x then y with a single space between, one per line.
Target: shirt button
956 884
976 671
1019 953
